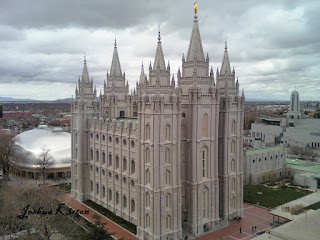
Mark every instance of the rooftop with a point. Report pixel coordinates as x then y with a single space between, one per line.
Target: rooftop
302 165
264 150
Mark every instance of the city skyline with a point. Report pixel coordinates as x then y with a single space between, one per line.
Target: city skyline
273 46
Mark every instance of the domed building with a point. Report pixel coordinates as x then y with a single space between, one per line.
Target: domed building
31 146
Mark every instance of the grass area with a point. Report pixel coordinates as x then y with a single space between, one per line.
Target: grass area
314 206
123 223
271 198
66 187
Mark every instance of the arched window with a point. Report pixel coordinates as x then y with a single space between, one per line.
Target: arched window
133 167
110 160
147 131
147 199
124 201
205 125
103 157
147 177
91 154
91 186
233 184
76 153
167 156
167 137
168 222
204 159
103 191
234 202
233 147
97 189
117 161
233 165
168 178
124 166
147 155
168 200
110 194
117 198
205 203
133 206
147 220
97 156
233 127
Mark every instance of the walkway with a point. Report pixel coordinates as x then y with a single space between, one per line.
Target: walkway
305 201
110 226
253 216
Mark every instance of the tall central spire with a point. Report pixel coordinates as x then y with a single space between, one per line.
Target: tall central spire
225 67
195 50
85 75
115 65
159 59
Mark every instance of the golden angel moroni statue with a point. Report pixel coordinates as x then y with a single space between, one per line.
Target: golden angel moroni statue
195 7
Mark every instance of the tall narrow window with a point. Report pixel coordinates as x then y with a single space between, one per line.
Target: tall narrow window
91 153
147 177
91 186
117 198
103 157
168 222
205 199
204 158
233 184
117 161
147 155
103 191
133 206
124 166
167 137
97 156
147 220
233 165
168 178
168 200
110 194
147 131
234 202
233 127
167 156
97 189
147 199
124 201
110 160
205 125
133 167
233 147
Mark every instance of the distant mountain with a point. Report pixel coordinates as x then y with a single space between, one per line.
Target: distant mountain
10 99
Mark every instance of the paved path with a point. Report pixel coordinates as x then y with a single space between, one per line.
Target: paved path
119 232
305 201
253 216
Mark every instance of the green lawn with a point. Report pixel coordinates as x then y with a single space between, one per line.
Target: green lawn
314 206
271 198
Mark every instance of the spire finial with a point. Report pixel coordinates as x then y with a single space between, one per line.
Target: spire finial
159 37
115 40
195 6
225 45
84 57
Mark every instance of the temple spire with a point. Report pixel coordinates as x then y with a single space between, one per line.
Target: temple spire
142 75
195 50
115 65
159 58
85 75
225 67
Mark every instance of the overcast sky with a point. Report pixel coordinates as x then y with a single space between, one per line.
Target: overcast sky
273 45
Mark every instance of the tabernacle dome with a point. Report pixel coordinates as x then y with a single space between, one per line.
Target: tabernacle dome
33 142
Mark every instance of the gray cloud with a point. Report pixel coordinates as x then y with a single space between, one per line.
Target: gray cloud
274 46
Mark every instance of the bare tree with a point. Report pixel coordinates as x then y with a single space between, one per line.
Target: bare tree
44 161
8 151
